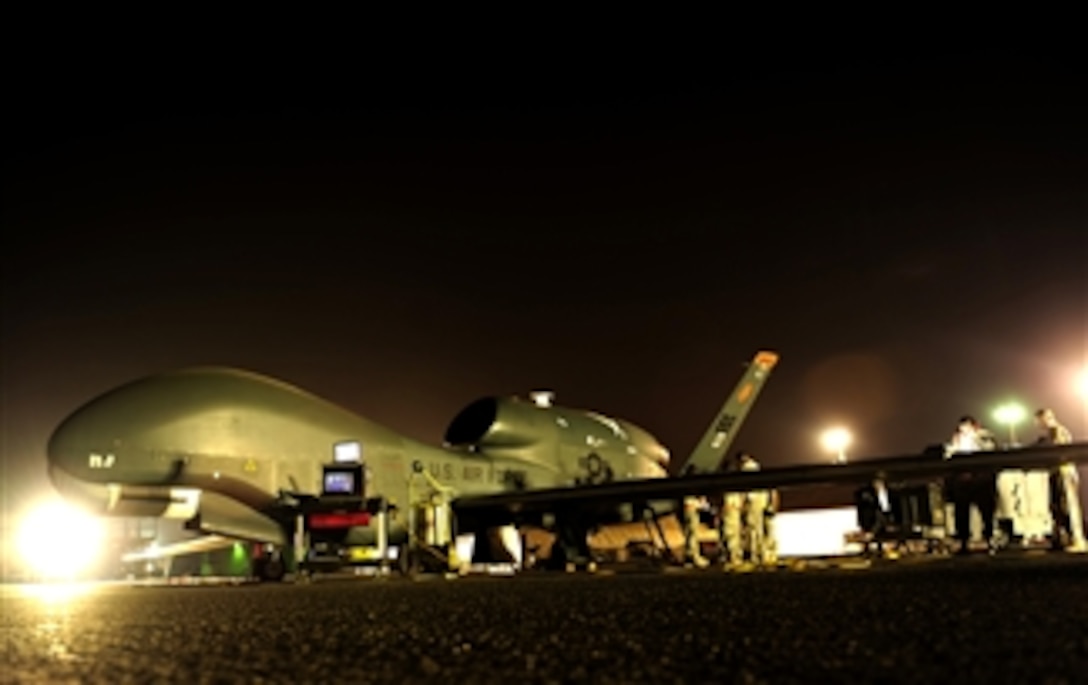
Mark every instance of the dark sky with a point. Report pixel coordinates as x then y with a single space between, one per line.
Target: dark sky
910 232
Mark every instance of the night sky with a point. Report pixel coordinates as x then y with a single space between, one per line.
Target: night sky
910 233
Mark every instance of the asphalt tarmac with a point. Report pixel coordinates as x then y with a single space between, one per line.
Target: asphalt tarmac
1003 620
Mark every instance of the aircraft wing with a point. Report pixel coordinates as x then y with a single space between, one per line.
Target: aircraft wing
891 469
203 543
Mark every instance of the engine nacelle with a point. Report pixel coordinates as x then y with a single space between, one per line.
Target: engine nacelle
494 422
539 431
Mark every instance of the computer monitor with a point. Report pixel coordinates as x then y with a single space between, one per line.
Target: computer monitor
341 482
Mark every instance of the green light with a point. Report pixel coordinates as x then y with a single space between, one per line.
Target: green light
239 561
1010 414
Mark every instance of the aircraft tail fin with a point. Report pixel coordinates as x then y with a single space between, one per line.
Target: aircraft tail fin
712 448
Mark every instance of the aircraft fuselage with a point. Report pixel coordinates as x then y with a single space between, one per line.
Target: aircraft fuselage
220 446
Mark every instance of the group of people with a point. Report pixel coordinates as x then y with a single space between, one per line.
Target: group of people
1002 496
746 519
745 524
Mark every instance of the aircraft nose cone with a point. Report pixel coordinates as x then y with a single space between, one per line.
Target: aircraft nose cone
79 447
107 439
77 458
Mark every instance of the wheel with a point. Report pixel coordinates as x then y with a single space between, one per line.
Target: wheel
270 570
407 562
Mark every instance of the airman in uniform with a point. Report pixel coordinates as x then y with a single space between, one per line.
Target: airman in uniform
978 489
748 522
694 554
1067 515
770 537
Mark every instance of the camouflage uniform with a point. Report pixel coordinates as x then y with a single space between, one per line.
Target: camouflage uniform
733 511
691 532
1067 512
770 539
748 523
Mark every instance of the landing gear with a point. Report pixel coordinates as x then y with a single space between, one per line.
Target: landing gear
571 548
270 567
490 547
407 561
659 542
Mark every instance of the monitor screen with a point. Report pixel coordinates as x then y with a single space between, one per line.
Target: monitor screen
340 482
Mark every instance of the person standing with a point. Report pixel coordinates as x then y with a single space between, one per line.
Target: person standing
1065 498
692 548
748 522
770 537
972 488
732 515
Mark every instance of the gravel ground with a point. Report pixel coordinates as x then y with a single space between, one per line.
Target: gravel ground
971 620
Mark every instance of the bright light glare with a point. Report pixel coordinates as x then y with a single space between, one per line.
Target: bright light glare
58 541
1009 414
816 532
835 439
1081 385
57 593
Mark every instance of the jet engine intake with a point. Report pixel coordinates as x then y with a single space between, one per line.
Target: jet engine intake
500 422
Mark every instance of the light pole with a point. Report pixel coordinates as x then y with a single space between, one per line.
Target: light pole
836 440
1010 414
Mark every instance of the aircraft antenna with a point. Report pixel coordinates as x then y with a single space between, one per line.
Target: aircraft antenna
542 398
